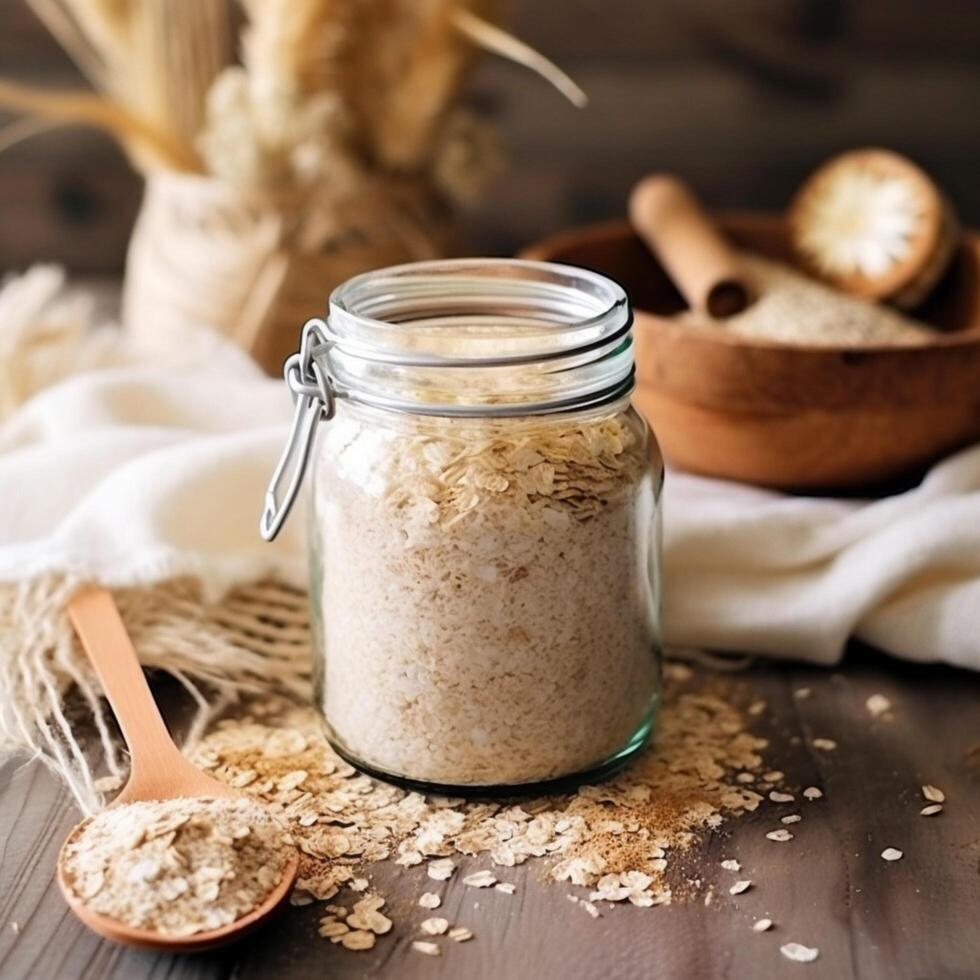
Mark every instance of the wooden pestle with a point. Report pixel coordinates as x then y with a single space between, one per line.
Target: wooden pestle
666 214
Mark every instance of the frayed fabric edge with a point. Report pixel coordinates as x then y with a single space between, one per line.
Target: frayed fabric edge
254 638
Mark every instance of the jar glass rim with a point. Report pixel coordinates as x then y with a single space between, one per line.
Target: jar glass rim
399 314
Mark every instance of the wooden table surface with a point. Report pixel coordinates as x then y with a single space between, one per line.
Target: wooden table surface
828 888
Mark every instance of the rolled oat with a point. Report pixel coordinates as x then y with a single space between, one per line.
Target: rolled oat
177 867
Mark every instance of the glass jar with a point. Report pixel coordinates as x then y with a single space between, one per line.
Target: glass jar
484 524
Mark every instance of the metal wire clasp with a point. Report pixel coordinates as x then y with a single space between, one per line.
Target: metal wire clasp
314 399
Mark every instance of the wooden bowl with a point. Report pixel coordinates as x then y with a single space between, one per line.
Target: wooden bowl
791 416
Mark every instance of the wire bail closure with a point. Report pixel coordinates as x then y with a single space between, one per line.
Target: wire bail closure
314 399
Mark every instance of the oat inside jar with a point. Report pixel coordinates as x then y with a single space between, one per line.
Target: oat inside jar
483 525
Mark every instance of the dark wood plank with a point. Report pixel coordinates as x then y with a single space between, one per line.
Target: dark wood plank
827 888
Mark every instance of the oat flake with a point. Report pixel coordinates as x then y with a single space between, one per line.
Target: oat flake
480 879
891 854
931 810
878 705
494 507
799 953
358 940
824 744
761 925
812 793
933 794
430 900
428 949
441 870
780 835
739 887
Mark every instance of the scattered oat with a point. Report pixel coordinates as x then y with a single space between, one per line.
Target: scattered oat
773 776
761 925
442 869
757 707
367 918
802 693
931 810
480 879
824 744
891 854
345 823
812 793
933 794
358 940
799 953
430 900
460 934
745 777
791 818
429 949
731 865
107 784
779 835
15 928
293 779
507 887
878 705
436 926
781 797
331 927
358 884
739 887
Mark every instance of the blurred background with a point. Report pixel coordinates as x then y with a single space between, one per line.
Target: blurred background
742 98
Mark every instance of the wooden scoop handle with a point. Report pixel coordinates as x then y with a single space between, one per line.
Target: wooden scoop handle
669 218
158 770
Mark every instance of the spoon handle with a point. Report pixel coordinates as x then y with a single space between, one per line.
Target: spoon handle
157 767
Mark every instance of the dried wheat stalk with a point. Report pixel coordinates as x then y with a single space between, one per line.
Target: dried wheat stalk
147 147
349 91
151 63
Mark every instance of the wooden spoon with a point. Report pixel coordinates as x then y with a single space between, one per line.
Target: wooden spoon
667 215
158 770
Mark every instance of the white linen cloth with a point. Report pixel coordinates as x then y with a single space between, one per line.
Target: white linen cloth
139 471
